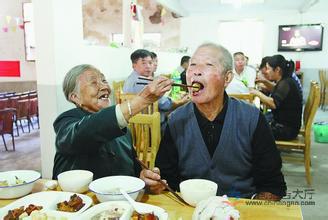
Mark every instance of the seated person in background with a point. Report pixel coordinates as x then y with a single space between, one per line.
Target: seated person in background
285 100
155 62
93 135
184 63
243 76
266 85
142 66
219 138
262 79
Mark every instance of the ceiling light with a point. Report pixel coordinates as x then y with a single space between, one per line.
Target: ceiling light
243 2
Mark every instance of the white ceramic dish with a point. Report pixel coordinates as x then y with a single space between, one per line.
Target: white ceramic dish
196 190
107 188
75 180
17 190
95 210
48 200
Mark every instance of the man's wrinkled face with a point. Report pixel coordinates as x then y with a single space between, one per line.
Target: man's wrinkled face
240 62
206 71
144 66
93 91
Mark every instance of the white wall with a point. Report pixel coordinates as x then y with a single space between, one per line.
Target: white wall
199 28
12 43
59 42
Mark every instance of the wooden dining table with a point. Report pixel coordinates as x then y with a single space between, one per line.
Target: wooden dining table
249 209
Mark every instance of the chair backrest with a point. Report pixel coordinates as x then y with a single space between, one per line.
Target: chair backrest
22 108
118 90
6 121
33 107
247 97
4 103
146 135
308 102
128 96
314 104
322 77
13 102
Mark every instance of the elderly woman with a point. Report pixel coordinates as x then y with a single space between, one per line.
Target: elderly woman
285 100
219 138
93 135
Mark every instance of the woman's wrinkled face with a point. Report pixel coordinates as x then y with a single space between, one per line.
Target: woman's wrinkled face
205 70
93 91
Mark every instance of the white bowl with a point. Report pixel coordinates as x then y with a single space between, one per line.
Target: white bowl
15 191
107 188
75 180
196 190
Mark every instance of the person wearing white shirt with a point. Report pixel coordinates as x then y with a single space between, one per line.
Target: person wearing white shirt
244 76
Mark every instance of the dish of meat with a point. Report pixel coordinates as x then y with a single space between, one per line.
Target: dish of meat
48 201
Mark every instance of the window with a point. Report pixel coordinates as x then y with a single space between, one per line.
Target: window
244 36
151 40
29 31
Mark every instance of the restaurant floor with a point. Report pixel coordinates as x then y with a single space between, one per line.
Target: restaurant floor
313 199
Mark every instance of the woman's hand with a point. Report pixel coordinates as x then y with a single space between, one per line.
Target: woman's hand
156 89
151 177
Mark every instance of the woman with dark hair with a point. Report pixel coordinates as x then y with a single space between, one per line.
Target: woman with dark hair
285 100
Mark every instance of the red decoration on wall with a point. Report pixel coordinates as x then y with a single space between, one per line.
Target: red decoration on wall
297 65
10 68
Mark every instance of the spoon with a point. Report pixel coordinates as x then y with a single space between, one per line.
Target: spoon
138 207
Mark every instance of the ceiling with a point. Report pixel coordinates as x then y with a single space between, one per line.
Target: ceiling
214 6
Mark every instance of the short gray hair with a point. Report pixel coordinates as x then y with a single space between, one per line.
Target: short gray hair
225 58
70 81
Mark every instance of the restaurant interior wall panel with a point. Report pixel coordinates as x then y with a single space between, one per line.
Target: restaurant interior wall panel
12 41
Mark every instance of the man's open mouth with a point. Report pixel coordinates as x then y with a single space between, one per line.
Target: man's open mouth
197 87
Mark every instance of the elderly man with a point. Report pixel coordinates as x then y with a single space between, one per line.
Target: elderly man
243 75
219 138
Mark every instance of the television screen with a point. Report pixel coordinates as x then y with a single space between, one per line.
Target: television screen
303 37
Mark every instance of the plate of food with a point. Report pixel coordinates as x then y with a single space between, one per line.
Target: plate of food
52 204
121 210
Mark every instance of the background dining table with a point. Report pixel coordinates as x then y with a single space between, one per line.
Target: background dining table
249 209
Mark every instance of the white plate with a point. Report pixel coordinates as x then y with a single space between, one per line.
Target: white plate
161 213
49 202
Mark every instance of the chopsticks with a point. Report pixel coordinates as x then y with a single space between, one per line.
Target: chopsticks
174 84
163 183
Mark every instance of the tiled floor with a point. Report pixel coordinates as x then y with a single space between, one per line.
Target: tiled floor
27 156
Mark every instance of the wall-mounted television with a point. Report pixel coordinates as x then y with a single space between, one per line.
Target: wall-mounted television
302 37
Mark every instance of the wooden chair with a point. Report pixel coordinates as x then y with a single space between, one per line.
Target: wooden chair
247 97
146 142
33 111
307 106
22 114
6 125
302 144
324 90
118 90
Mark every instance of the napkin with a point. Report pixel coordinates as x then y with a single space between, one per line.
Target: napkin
215 208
